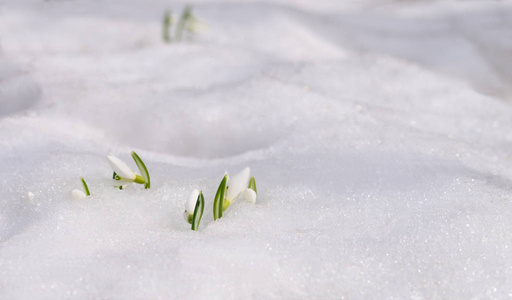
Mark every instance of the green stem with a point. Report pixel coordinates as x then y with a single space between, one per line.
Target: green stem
166 27
185 17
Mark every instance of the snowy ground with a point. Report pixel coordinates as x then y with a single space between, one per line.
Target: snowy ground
378 133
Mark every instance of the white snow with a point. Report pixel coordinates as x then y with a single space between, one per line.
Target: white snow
378 133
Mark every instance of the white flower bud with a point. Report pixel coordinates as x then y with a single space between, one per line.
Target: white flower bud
77 194
190 205
249 195
121 168
237 184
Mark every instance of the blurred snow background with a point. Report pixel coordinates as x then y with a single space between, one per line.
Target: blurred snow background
378 132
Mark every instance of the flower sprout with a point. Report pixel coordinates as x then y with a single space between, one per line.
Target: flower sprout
251 192
190 206
230 189
236 185
187 22
77 194
194 209
123 173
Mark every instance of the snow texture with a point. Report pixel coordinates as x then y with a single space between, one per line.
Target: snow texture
378 133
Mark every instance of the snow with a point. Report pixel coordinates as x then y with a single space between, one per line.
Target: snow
377 132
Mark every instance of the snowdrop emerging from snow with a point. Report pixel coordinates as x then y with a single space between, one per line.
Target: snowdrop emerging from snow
123 173
251 192
194 209
190 205
187 22
77 194
230 189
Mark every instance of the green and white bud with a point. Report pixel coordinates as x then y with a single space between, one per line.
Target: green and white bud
237 184
123 172
190 206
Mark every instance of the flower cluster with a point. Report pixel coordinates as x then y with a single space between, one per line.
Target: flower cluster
187 23
240 186
122 173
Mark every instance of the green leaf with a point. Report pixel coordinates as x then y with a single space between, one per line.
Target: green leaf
182 23
166 27
86 188
252 184
142 169
218 202
198 211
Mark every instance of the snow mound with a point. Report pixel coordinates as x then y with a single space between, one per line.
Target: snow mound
17 90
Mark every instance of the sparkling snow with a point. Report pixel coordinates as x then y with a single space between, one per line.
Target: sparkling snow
378 133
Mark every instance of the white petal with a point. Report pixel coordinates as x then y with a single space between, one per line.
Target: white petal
238 184
120 167
190 205
77 194
249 195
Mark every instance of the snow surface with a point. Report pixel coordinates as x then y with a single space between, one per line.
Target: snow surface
378 133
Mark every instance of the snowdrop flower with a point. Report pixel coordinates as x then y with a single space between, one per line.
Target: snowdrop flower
123 173
236 185
77 194
183 22
122 170
194 209
190 206
230 189
251 192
